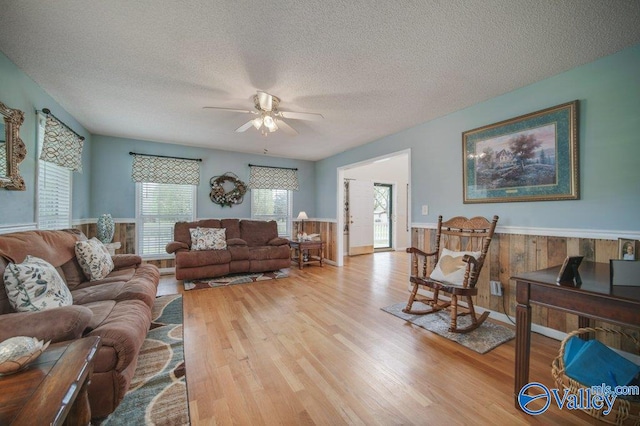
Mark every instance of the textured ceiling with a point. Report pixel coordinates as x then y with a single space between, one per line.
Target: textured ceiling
144 69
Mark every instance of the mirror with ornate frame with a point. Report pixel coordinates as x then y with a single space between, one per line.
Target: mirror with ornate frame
12 149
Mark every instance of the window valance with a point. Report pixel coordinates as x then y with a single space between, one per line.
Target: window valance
175 171
273 178
61 145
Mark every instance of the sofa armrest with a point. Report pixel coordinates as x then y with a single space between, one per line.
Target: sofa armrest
236 242
56 324
121 261
176 246
278 241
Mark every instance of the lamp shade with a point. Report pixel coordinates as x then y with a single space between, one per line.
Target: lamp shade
302 216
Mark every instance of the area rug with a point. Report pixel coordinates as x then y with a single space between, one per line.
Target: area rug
158 391
235 279
484 338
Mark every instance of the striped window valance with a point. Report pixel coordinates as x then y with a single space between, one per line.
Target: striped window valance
61 146
273 178
176 171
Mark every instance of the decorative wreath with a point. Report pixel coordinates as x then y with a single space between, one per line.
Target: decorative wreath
218 194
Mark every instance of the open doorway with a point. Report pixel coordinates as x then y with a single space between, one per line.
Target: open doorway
392 220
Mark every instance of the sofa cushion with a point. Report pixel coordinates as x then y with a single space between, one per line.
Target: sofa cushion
122 332
269 252
208 239
35 285
100 311
232 226
258 232
72 273
56 247
94 259
193 259
138 284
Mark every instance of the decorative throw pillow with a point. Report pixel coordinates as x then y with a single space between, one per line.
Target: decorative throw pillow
94 259
35 285
450 267
208 239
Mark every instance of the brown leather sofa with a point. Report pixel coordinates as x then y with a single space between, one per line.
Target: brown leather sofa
116 308
252 246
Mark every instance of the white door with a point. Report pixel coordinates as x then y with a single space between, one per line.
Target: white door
360 217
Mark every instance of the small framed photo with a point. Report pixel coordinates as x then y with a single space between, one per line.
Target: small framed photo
627 249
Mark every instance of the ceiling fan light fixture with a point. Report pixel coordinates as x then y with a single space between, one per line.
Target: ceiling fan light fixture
257 122
269 122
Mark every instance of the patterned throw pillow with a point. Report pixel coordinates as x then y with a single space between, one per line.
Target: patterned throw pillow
94 259
208 238
35 285
450 267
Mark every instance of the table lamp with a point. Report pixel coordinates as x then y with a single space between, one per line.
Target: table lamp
301 217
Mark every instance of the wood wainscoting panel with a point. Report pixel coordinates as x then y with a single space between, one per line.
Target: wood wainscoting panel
328 234
512 254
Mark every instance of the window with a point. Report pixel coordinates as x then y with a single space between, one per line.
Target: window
158 207
54 190
273 204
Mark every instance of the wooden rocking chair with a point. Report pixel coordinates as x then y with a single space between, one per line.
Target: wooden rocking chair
453 273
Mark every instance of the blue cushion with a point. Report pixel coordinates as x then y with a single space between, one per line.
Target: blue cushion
592 363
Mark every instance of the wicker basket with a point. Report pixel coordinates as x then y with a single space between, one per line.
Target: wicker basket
624 412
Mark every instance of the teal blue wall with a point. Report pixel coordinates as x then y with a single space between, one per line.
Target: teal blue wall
113 191
18 91
609 132
609 95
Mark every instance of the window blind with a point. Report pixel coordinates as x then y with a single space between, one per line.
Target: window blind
54 190
273 204
160 206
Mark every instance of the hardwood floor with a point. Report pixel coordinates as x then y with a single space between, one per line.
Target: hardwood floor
315 348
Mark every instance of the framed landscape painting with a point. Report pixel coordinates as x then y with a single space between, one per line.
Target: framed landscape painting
533 157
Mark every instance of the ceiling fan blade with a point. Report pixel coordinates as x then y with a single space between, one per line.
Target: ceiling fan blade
265 100
312 116
231 109
245 126
286 128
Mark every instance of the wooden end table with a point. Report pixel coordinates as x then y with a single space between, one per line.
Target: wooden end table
301 252
52 389
594 299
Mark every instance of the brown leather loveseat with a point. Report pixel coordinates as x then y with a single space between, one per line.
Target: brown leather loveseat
251 246
116 308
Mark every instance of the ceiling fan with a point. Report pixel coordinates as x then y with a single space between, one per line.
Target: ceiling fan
269 117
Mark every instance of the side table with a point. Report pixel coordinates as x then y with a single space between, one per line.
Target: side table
52 389
301 252
112 247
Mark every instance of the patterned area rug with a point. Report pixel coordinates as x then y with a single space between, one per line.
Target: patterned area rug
158 391
484 338
235 279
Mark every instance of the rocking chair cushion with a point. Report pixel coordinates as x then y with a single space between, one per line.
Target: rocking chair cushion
451 267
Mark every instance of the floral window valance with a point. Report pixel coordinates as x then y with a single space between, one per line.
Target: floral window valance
176 171
273 178
61 145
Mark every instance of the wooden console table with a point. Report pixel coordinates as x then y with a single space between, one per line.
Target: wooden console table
593 299
52 389
301 255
